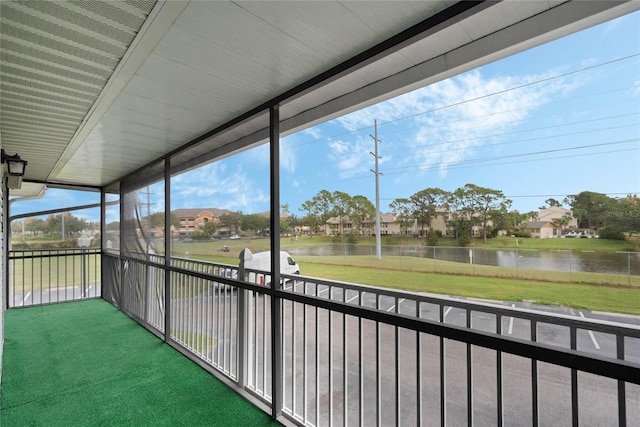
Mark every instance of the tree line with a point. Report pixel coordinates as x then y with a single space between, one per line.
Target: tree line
66 223
612 217
473 205
461 209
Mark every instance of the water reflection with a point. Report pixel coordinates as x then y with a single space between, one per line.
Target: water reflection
569 261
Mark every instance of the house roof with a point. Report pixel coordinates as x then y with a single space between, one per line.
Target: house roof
538 224
554 212
194 212
387 217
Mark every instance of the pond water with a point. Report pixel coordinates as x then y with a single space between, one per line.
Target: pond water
571 261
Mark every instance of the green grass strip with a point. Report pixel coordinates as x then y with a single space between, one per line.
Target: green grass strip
88 364
577 295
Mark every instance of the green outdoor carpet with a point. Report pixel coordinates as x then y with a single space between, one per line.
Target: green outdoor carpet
88 364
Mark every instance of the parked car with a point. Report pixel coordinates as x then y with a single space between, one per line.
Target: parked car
235 237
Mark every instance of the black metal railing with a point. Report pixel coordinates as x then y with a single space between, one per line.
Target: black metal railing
355 354
44 276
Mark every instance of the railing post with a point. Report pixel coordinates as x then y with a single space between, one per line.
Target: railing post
573 338
629 268
622 394
242 324
534 377
443 378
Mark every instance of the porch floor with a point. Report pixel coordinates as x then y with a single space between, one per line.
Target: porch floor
86 363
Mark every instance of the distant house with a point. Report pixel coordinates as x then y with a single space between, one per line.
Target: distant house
303 230
556 212
540 229
194 219
389 226
555 215
446 226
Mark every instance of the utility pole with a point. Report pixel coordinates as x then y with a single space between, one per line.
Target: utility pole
148 205
377 174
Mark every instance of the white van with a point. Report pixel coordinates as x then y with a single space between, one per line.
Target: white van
262 261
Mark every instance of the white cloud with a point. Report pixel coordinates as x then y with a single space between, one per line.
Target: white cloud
636 89
351 158
314 132
456 117
387 111
213 185
287 156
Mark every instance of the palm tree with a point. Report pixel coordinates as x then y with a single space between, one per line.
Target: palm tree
562 222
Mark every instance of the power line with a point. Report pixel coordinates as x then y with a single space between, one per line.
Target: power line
518 140
600 106
489 95
517 87
604 107
484 159
495 135
454 166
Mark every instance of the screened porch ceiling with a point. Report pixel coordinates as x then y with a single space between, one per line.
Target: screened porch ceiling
92 91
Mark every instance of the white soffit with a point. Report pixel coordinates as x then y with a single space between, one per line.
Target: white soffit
28 190
56 58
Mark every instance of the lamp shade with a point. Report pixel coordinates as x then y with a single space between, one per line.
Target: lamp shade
16 167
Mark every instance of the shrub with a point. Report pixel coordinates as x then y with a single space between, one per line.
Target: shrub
432 237
522 233
464 239
610 233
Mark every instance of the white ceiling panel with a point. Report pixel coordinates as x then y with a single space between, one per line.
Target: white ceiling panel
322 28
437 44
386 18
219 63
490 21
246 35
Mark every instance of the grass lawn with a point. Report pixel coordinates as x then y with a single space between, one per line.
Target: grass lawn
596 292
576 295
34 274
598 245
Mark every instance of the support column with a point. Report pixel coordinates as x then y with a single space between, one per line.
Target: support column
167 249
276 330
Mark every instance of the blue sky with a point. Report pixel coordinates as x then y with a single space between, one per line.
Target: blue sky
556 120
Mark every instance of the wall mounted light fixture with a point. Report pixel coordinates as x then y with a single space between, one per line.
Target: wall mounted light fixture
15 169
